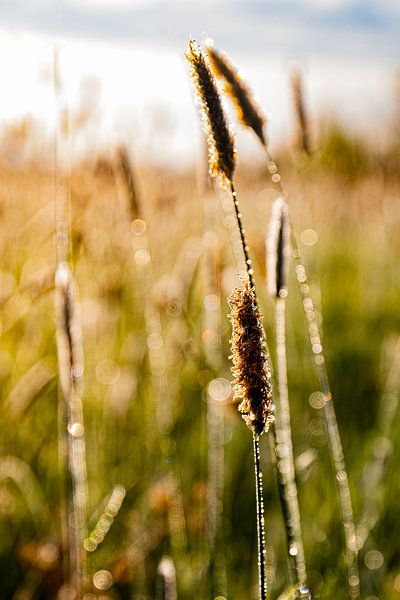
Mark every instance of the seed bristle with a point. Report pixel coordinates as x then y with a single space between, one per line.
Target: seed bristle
251 370
249 114
221 148
278 248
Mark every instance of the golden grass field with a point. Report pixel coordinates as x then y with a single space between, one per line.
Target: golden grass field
143 292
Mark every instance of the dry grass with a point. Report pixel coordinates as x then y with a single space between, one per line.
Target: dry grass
348 234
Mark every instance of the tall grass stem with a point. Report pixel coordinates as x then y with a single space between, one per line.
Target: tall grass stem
262 580
70 364
285 449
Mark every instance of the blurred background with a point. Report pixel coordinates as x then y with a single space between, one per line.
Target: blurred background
125 60
101 142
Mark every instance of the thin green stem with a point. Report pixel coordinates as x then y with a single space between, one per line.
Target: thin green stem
260 520
242 233
284 451
256 447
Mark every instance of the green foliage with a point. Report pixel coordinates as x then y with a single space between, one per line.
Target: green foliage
342 154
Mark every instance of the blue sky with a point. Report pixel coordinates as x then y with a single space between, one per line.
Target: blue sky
369 28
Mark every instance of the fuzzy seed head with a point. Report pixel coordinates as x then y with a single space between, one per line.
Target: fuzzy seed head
221 149
303 133
251 370
70 353
278 248
249 114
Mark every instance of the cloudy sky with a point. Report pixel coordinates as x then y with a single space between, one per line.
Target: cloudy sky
364 27
348 49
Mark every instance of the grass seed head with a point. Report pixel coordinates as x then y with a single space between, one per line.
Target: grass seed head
278 248
249 114
70 352
251 370
221 149
303 133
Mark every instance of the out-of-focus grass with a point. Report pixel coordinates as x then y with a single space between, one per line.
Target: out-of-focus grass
347 212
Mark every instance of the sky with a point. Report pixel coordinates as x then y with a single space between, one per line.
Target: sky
126 57
364 27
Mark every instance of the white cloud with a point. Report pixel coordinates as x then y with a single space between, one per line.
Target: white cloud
390 6
107 4
327 5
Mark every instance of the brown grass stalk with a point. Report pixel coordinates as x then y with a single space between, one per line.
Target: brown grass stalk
278 253
70 366
256 403
335 444
252 385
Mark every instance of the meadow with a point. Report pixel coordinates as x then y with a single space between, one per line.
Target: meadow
151 253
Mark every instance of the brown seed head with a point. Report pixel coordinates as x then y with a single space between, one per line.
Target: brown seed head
249 114
68 331
221 149
303 132
252 382
278 248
